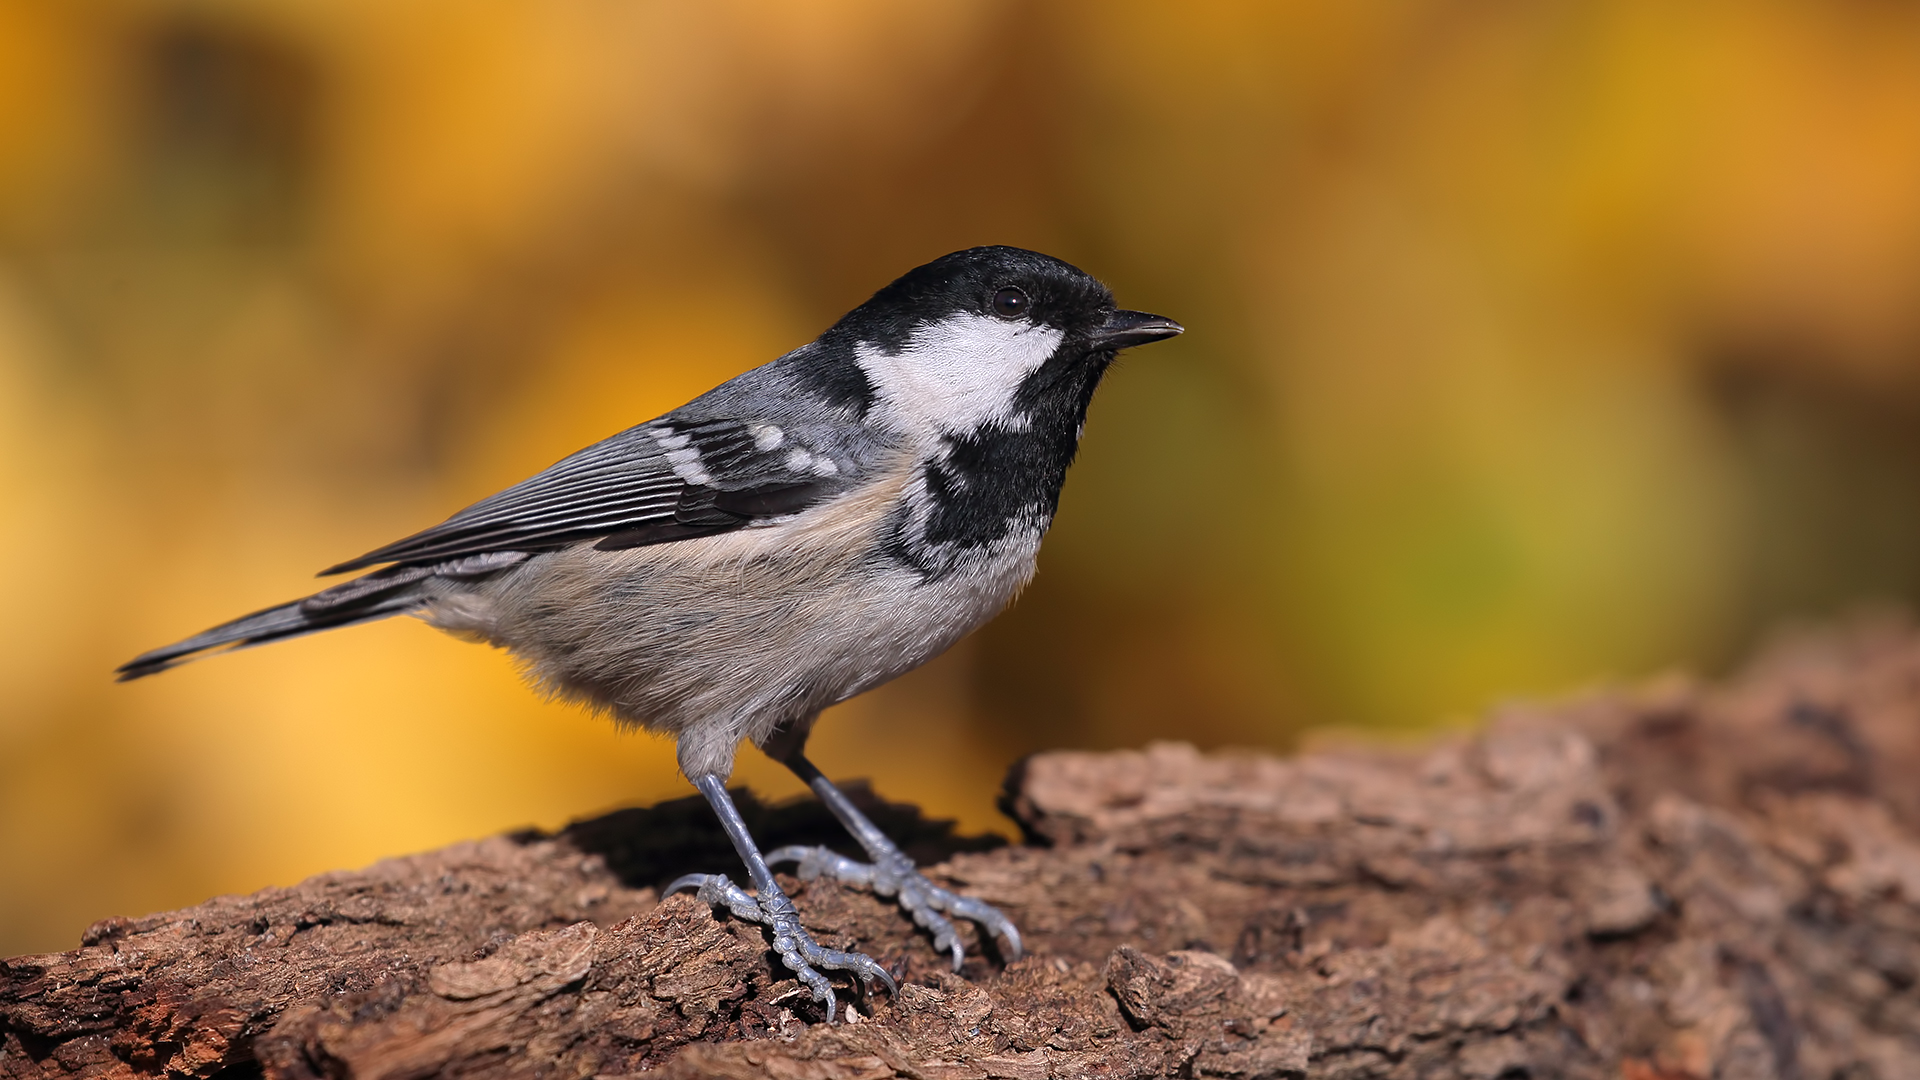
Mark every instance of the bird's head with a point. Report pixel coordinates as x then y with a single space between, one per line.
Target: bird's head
988 337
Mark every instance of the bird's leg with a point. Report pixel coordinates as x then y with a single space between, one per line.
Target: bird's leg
769 905
890 873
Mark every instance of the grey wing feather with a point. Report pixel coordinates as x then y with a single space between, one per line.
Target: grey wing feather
631 489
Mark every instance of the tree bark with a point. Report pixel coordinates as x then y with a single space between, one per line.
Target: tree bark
1682 881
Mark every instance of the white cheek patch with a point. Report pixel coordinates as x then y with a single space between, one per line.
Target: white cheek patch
957 374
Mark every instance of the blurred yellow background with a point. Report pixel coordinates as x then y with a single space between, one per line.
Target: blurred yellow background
1530 345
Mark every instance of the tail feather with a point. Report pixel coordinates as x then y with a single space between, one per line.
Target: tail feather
273 624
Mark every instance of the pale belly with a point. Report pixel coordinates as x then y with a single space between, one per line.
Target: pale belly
732 636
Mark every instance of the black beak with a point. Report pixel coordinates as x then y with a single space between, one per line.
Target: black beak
1124 329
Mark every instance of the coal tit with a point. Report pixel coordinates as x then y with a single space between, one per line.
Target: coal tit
793 537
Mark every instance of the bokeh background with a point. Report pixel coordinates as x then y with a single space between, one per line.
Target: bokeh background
1531 345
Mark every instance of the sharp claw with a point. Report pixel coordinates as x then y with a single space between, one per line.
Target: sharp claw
1011 933
822 992
885 977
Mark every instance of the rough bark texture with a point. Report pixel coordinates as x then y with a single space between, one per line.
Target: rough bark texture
1678 882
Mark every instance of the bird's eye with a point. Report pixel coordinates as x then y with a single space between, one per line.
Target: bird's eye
1010 303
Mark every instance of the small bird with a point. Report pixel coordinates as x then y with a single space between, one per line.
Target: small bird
791 538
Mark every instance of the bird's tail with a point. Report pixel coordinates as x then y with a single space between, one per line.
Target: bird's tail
392 591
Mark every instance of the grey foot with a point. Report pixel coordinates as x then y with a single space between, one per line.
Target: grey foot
798 951
894 875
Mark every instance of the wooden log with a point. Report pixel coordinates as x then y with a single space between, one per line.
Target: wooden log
1682 881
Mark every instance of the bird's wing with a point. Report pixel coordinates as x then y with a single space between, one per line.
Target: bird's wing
665 480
